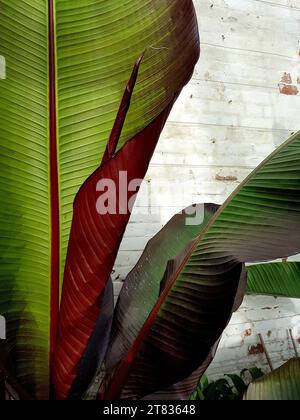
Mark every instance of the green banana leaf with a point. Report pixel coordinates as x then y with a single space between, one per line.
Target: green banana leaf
67 64
282 384
153 348
275 279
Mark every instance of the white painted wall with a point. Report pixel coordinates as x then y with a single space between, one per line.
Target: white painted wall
242 103
241 348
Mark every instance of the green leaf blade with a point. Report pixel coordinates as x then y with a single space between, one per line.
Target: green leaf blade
24 191
275 279
283 384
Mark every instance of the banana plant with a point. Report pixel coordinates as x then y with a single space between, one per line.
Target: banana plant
62 129
180 296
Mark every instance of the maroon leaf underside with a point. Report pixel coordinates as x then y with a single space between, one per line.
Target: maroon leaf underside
127 381
148 280
133 376
184 389
95 351
93 246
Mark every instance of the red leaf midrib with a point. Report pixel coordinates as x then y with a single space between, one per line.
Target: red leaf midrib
54 189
